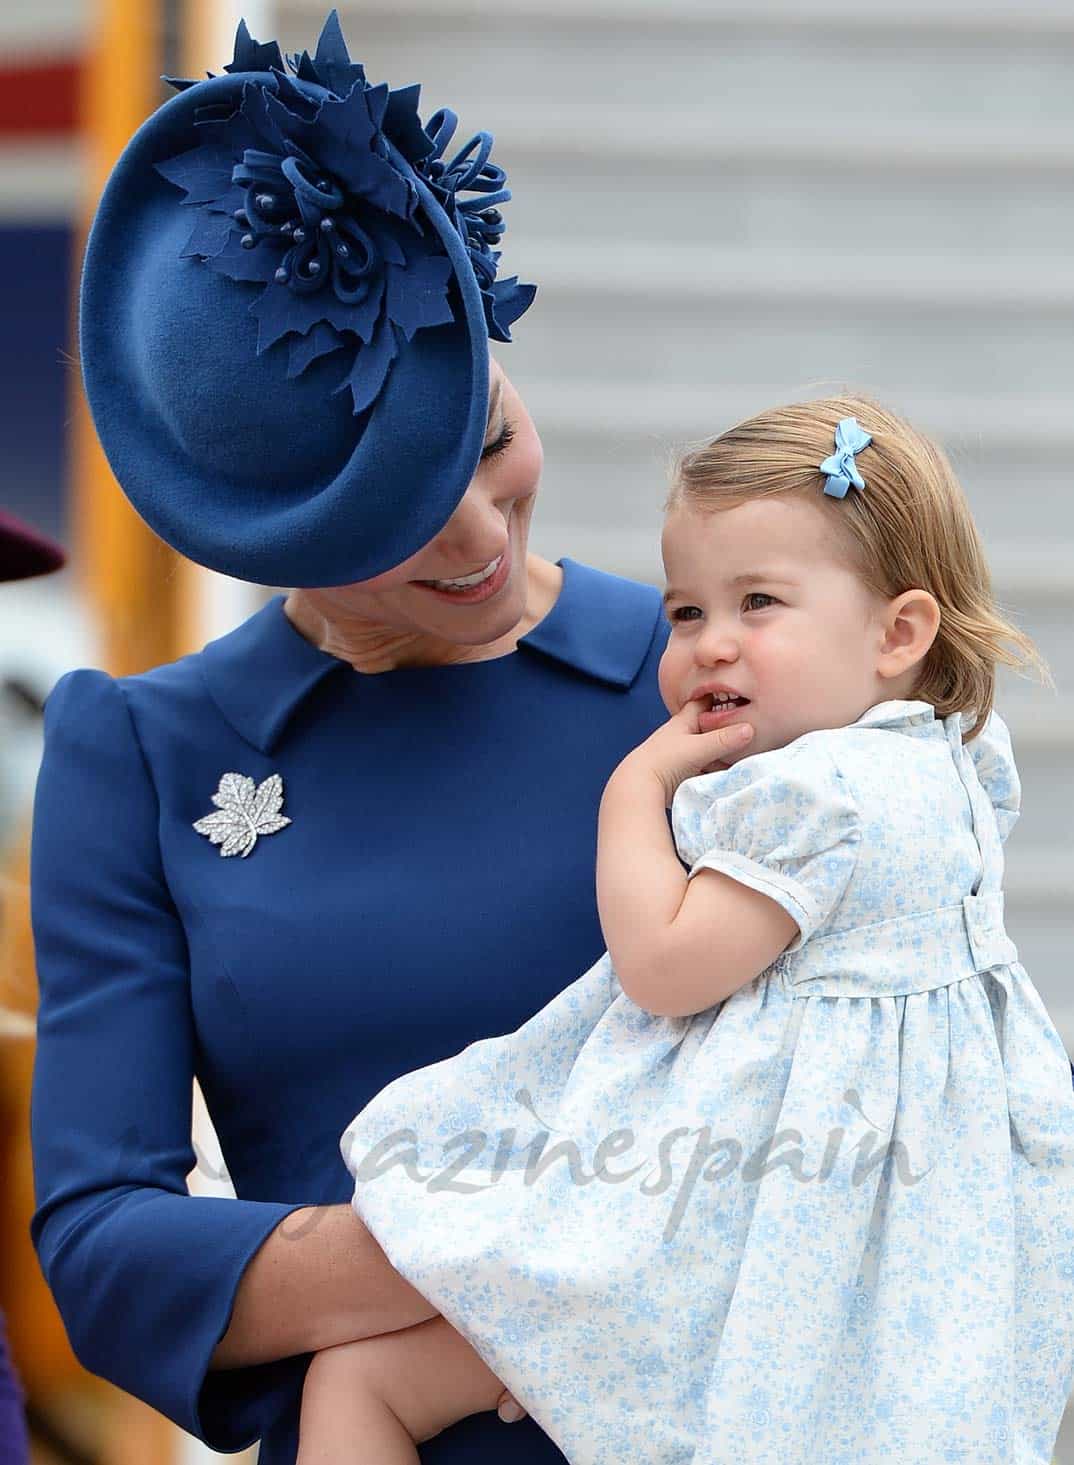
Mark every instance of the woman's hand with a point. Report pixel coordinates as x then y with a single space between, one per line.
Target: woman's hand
679 750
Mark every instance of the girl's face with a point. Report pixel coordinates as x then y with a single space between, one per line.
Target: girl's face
760 606
490 523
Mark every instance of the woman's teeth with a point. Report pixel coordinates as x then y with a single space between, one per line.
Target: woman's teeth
465 581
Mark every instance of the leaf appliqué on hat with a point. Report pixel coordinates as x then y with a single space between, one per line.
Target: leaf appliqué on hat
299 191
245 811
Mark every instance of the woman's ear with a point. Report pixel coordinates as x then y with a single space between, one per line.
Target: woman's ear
909 626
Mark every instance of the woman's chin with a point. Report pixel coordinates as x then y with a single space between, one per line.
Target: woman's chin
487 621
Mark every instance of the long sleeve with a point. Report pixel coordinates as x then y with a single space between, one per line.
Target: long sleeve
144 1274
14 1439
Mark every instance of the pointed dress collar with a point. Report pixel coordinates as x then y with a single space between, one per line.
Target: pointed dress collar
258 674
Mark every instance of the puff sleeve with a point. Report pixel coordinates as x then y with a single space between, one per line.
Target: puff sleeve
144 1274
782 822
993 758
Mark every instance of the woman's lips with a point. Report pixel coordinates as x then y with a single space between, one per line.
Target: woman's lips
485 590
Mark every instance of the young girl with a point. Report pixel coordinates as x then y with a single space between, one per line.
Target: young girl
788 1174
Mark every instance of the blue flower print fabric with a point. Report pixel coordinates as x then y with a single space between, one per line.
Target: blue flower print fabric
784 823
828 1220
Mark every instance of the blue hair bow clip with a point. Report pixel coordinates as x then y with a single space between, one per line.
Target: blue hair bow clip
841 468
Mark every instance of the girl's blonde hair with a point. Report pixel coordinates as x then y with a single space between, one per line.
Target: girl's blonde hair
911 529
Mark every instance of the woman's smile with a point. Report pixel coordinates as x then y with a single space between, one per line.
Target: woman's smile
495 576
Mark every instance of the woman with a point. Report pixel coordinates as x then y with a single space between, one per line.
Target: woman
217 843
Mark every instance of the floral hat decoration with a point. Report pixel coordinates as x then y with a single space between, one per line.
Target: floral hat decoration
285 312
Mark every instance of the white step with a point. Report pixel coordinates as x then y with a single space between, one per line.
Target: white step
839 276
639 58
1042 17
677 408
575 181
1032 879
584 129
887 346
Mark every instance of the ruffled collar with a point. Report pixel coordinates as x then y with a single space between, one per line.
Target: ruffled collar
898 714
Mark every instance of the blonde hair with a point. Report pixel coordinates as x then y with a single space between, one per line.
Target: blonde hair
911 529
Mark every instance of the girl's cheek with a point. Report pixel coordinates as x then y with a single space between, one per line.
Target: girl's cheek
667 677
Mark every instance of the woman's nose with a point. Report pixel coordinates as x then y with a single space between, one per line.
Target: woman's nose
476 533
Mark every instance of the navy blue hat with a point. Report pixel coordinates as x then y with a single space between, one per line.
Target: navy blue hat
288 368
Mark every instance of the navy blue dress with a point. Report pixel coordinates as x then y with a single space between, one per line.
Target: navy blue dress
296 981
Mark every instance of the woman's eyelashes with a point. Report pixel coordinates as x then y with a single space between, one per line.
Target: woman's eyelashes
680 612
492 450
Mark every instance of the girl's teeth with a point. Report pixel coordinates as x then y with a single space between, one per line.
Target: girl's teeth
467 580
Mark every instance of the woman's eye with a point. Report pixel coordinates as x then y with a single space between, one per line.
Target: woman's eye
680 613
507 433
758 595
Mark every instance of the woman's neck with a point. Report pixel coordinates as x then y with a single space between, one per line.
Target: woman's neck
370 647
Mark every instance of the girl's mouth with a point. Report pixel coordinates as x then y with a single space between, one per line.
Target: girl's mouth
711 718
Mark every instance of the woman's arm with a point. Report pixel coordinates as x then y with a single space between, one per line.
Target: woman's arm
143 1273
319 1279
161 1292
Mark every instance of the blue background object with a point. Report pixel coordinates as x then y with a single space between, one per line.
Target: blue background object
34 305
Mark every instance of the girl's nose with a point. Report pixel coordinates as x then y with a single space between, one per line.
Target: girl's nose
716 645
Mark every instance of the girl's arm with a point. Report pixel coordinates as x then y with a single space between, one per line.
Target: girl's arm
678 946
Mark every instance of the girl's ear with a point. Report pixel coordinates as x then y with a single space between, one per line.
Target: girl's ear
909 627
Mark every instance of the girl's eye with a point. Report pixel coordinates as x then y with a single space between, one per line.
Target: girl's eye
689 612
493 450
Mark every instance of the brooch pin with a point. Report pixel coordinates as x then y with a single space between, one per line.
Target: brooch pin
244 813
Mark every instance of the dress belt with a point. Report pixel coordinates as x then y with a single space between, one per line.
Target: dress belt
915 953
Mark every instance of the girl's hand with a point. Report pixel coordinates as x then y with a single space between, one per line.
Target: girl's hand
679 750
509 1409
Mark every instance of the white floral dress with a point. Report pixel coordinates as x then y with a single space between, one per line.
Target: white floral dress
827 1221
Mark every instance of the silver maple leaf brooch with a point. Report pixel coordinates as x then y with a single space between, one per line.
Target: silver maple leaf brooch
244 813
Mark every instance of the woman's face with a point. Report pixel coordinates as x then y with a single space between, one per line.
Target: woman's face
489 525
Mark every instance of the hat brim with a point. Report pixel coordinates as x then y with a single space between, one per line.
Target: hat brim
290 513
